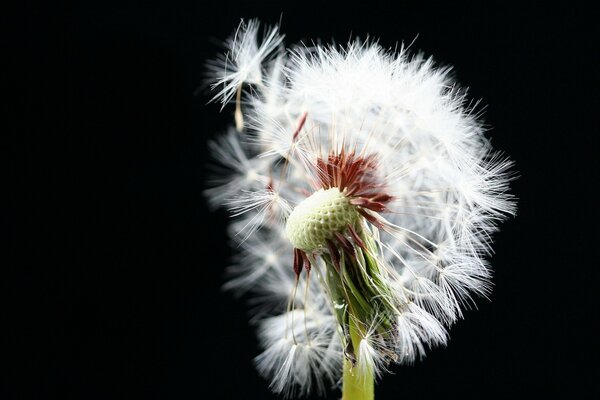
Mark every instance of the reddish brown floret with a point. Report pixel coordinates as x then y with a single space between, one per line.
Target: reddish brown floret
356 176
301 123
301 261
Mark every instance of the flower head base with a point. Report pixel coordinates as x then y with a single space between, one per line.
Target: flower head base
317 220
366 194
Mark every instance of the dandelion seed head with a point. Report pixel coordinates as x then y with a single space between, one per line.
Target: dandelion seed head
365 195
318 218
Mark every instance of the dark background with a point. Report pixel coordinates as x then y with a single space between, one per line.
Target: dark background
112 285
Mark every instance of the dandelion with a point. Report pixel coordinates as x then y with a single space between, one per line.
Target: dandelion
364 194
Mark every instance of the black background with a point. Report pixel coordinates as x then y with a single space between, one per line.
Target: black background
112 285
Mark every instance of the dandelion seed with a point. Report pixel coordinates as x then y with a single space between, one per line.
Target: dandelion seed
243 64
365 195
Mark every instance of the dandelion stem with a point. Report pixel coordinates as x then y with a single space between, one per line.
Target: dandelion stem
355 386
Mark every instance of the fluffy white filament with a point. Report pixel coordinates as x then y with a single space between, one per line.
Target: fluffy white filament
244 61
449 192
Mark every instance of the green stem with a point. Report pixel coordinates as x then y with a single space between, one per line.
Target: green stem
356 387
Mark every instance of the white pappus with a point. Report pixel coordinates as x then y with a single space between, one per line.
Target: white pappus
365 195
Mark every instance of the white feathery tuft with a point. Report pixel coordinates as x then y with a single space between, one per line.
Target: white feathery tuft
372 356
417 330
233 170
301 354
243 63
